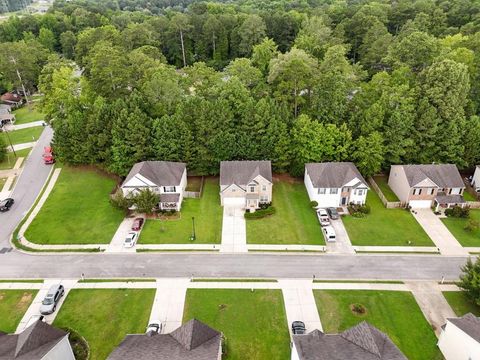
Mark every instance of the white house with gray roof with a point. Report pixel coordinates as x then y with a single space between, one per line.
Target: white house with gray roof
476 179
460 338
333 184
165 178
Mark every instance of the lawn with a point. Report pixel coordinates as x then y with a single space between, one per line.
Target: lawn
10 159
104 316
26 115
13 305
2 183
23 136
456 227
208 221
382 182
469 197
78 210
385 227
394 312
253 323
460 303
294 222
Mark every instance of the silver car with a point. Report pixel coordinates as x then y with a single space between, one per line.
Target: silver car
49 303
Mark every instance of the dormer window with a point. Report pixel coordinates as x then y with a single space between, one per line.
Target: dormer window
252 189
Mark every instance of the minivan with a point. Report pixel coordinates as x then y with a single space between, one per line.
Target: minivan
329 233
49 303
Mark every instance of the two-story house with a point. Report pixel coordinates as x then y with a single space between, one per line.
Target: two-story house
333 184
245 184
424 186
165 178
460 338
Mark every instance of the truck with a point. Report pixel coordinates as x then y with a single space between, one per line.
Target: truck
48 157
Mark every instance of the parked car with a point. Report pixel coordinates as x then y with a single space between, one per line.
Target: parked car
6 204
333 213
323 217
298 328
155 326
329 234
33 319
137 224
130 240
48 157
49 303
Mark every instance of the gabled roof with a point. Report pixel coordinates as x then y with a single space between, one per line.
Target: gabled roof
161 173
443 175
469 324
333 174
361 342
242 173
10 97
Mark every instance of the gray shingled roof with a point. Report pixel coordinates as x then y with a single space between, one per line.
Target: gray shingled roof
242 172
444 175
191 341
333 174
469 324
450 199
166 197
161 173
361 342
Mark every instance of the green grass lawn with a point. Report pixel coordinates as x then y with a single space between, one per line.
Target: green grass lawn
253 323
10 159
13 305
208 221
26 115
2 183
78 210
385 227
394 312
456 227
460 303
469 197
104 316
294 222
382 182
23 135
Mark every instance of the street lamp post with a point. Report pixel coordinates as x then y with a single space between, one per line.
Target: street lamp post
193 237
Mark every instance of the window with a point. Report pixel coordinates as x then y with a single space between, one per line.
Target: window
264 198
432 190
169 189
417 191
359 192
252 188
333 191
264 187
321 190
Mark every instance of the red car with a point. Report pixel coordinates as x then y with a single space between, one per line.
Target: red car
48 157
137 224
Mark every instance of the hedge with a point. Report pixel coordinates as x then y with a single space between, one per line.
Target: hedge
261 213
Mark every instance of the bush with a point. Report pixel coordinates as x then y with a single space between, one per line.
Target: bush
79 345
3 149
469 280
265 205
120 202
472 225
458 212
313 204
357 210
260 213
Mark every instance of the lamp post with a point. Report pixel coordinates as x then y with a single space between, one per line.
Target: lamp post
193 237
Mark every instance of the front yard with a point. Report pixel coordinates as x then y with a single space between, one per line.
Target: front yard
23 135
460 303
208 221
385 227
13 305
78 210
457 227
393 312
254 323
294 222
28 114
382 182
10 159
104 316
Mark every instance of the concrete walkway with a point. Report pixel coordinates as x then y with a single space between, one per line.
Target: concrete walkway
116 245
234 230
299 248
10 174
18 147
439 233
342 245
26 125
397 249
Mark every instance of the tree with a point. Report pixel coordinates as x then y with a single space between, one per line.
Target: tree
315 37
3 149
47 39
368 153
181 24
67 44
146 201
243 69
251 32
263 53
471 140
470 280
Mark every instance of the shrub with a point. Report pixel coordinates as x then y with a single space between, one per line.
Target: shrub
120 202
3 149
260 213
79 345
458 212
357 210
472 225
469 280
265 205
313 204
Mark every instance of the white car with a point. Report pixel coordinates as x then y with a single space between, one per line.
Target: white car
329 234
131 239
155 326
323 217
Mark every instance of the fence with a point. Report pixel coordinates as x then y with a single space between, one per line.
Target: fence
473 204
195 194
386 203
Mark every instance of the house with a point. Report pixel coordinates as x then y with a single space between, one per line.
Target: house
39 341
6 119
361 342
476 179
424 186
192 341
333 184
165 178
12 98
246 184
460 338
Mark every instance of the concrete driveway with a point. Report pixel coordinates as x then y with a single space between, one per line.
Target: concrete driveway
234 230
116 245
342 245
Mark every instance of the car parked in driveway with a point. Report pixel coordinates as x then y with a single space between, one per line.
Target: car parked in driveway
137 224
6 204
130 240
49 303
155 326
323 217
329 234
333 213
298 328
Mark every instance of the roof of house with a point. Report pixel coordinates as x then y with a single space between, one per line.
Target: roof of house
333 174
191 341
161 173
32 343
169 197
361 342
10 97
469 324
242 173
7 116
444 175
450 199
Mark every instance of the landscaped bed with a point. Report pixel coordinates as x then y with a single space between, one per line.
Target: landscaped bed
178 229
104 316
253 322
460 303
457 227
394 312
11 159
23 135
294 221
385 227
382 182
28 114
78 210
13 305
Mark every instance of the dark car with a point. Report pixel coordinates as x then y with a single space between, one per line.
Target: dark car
6 204
333 213
298 328
137 224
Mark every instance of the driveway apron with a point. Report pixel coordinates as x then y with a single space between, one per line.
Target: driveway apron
234 230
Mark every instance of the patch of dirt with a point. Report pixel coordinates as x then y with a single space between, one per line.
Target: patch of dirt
25 300
286 178
2 296
222 307
358 309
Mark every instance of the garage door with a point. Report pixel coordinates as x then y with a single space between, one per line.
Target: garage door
420 204
234 201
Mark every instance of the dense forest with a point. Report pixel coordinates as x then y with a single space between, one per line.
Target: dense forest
374 82
13 5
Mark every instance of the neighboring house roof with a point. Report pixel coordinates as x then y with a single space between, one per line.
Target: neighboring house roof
168 197
333 174
361 342
191 341
9 97
450 199
32 343
469 324
161 173
444 175
242 173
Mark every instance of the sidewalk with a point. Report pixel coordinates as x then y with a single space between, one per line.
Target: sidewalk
234 230
18 147
116 245
26 126
10 175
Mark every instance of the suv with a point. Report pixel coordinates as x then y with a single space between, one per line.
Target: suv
333 213
49 303
298 328
329 234
323 217
6 204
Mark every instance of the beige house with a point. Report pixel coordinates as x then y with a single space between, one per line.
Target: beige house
245 184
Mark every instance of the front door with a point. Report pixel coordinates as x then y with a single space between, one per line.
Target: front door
344 201
252 203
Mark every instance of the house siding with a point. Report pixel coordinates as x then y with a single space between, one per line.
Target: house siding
476 179
234 191
61 351
457 345
397 180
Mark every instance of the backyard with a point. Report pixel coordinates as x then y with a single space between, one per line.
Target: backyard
294 222
457 227
13 305
385 227
10 159
382 182
394 312
460 303
78 210
253 322
23 135
26 115
208 220
104 316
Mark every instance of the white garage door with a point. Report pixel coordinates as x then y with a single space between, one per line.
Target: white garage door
420 204
234 201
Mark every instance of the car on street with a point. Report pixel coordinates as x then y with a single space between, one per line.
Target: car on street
48 157
137 224
333 213
49 303
130 240
329 233
298 328
155 326
6 204
323 217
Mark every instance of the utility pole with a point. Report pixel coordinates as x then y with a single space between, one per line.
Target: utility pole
20 78
10 141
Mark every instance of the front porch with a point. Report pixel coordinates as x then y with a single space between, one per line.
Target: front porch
444 201
170 202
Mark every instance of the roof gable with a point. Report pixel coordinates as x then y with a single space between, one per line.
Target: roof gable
242 172
161 173
193 334
333 174
443 175
35 336
469 324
